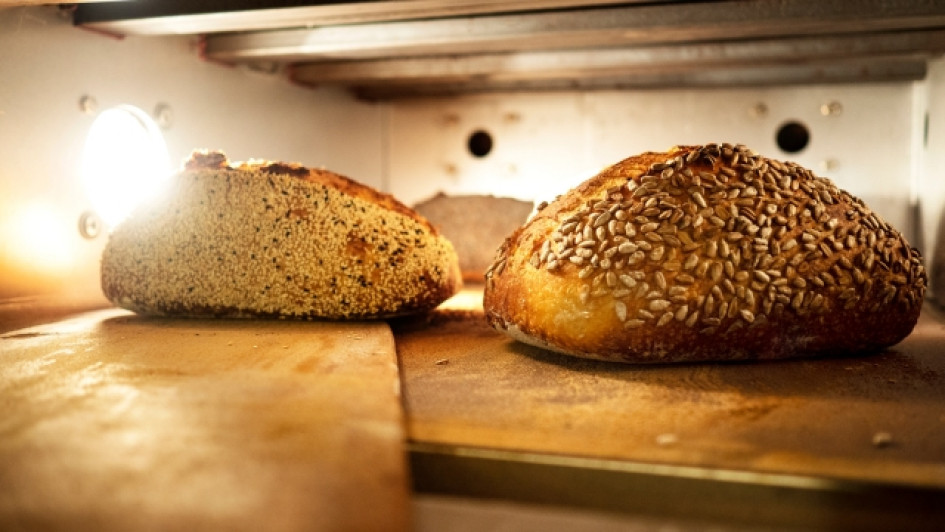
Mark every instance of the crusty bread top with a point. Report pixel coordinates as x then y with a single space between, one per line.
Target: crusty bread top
215 159
684 247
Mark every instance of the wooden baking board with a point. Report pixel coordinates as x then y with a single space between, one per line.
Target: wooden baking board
116 422
876 420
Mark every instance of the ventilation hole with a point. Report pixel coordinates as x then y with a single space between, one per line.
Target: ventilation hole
480 143
793 137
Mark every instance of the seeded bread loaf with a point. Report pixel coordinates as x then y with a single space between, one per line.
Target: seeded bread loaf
705 253
263 239
476 225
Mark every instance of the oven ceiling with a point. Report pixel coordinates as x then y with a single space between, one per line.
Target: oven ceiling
398 48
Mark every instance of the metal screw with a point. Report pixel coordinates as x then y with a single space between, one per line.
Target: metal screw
90 225
164 115
451 119
87 104
759 110
512 117
833 108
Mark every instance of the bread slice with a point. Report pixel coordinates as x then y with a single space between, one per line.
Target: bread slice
706 253
266 239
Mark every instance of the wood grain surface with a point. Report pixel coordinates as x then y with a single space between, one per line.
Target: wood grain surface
877 418
116 422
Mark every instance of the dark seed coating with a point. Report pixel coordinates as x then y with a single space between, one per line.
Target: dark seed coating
780 263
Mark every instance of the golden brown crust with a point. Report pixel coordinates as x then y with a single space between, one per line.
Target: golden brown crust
264 239
212 159
706 253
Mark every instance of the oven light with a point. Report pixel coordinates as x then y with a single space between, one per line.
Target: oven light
124 161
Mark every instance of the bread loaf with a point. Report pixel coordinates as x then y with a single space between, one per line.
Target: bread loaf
275 240
705 253
476 225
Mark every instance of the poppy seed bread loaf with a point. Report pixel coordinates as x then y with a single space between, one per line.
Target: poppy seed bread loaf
275 240
705 253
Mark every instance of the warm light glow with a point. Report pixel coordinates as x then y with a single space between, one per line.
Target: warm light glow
125 161
469 298
39 237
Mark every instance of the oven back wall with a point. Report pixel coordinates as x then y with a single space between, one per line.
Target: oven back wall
47 66
861 136
883 142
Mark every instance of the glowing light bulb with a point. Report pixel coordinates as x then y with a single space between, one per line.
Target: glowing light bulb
124 161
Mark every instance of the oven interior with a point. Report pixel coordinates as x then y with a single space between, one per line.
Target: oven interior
119 421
